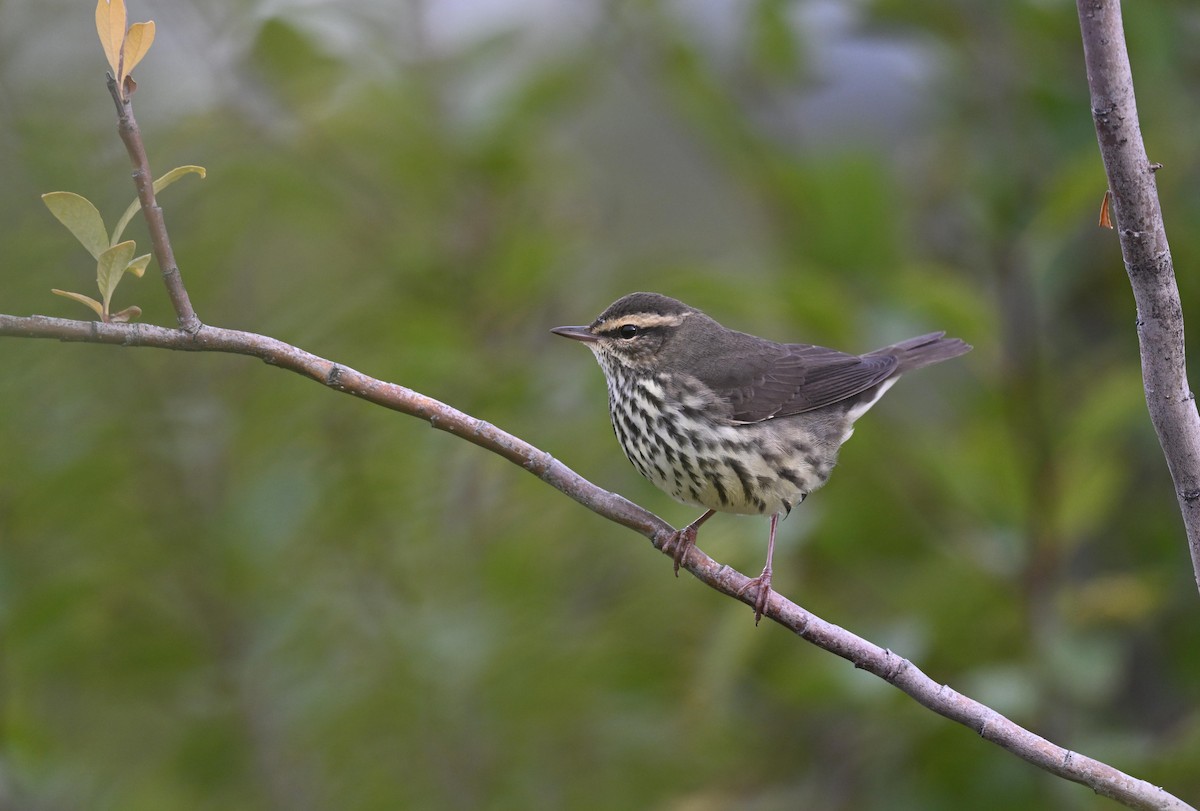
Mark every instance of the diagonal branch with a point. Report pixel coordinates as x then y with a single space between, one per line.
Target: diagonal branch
1147 256
143 180
892 668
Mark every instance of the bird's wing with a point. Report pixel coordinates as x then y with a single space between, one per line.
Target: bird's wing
787 379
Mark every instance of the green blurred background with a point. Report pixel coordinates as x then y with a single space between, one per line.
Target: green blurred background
224 587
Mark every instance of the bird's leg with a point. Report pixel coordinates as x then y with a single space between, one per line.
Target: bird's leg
763 581
682 540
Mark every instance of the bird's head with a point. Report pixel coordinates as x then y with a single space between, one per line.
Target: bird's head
639 331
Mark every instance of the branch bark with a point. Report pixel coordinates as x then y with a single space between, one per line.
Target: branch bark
143 181
1139 223
892 668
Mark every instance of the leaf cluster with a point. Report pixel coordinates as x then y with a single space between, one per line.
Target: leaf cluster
114 258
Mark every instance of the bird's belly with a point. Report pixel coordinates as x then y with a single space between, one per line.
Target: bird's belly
748 469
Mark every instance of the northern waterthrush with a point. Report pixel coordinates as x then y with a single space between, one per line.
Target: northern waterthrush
730 422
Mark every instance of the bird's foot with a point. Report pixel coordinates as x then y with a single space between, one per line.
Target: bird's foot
763 584
679 544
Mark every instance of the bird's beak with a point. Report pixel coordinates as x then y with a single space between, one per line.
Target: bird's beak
584 334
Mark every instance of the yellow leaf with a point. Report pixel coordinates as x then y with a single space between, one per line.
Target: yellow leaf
110 25
125 316
137 42
138 266
82 299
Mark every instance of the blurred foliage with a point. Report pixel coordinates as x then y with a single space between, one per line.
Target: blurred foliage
224 587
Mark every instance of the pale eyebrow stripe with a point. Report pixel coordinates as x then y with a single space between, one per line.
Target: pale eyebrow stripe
643 320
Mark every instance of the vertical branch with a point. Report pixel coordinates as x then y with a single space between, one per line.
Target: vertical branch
1147 256
131 136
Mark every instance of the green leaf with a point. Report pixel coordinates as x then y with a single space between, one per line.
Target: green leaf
81 218
176 173
160 184
110 267
82 299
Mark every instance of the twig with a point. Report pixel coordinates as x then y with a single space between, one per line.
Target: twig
143 180
1147 256
894 669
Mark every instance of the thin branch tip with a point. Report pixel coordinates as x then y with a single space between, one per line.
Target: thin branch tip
143 181
111 82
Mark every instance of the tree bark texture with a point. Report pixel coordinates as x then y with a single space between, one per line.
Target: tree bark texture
1139 223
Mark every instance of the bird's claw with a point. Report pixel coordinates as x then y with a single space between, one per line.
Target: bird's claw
679 544
763 584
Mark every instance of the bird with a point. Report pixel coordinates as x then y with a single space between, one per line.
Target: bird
728 421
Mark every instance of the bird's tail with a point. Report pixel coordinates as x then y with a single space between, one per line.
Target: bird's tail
924 350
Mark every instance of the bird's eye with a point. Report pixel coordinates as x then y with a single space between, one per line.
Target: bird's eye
627 331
